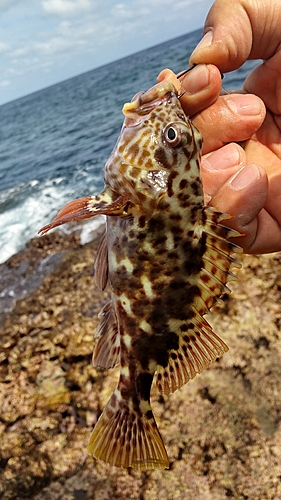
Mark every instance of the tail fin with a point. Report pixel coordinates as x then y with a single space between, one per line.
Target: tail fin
127 438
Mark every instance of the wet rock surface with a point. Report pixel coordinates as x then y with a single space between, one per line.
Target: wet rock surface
222 430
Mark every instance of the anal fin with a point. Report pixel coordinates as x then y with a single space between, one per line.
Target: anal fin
199 346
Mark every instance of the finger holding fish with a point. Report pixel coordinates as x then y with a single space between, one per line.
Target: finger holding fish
202 86
229 183
220 118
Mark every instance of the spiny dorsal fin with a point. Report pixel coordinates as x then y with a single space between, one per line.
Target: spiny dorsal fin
128 438
217 258
198 344
107 350
101 264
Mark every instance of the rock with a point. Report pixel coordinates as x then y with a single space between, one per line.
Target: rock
222 429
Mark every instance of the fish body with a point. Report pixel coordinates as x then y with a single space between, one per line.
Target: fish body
166 258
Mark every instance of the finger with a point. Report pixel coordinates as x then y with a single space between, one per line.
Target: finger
268 237
167 75
264 147
202 86
233 117
218 167
237 31
257 151
243 197
245 201
265 81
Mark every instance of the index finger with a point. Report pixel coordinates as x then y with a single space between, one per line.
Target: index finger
201 87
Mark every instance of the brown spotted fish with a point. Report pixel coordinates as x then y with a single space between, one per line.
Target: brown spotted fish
166 258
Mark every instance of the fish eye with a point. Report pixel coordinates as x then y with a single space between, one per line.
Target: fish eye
172 135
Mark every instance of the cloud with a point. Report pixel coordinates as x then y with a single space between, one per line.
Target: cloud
5 83
7 4
57 45
4 47
103 31
64 7
19 52
51 40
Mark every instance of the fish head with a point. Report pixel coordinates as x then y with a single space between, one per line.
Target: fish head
156 138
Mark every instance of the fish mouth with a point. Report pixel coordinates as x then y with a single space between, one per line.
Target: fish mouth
144 102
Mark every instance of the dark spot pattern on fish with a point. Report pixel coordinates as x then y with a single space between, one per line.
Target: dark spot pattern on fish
143 384
161 157
142 221
158 344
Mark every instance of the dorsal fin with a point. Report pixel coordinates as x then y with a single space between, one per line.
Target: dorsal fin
217 258
107 349
198 344
101 264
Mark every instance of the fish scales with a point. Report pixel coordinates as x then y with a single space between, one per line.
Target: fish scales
166 258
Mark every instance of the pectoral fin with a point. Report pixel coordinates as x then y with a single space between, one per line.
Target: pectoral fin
85 208
107 350
101 264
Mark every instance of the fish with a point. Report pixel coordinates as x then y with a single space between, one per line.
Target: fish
166 258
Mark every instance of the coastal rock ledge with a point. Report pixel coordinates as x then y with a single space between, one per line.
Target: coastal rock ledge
222 429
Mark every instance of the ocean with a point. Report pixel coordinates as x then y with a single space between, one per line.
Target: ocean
54 143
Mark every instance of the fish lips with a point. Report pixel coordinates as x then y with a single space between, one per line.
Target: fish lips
144 102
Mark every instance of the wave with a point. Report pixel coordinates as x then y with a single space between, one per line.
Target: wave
27 207
55 142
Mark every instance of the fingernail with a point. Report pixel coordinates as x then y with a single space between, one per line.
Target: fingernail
196 80
245 177
222 159
244 104
205 42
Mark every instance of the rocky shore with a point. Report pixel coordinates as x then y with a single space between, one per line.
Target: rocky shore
222 430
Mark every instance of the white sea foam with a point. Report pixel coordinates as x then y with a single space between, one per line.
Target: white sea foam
90 229
30 207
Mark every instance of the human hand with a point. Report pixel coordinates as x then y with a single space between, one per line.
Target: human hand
228 186
239 31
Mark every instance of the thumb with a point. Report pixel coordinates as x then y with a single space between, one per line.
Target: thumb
237 31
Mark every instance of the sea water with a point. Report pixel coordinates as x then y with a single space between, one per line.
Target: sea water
54 143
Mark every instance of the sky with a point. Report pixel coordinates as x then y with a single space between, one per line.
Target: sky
43 42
